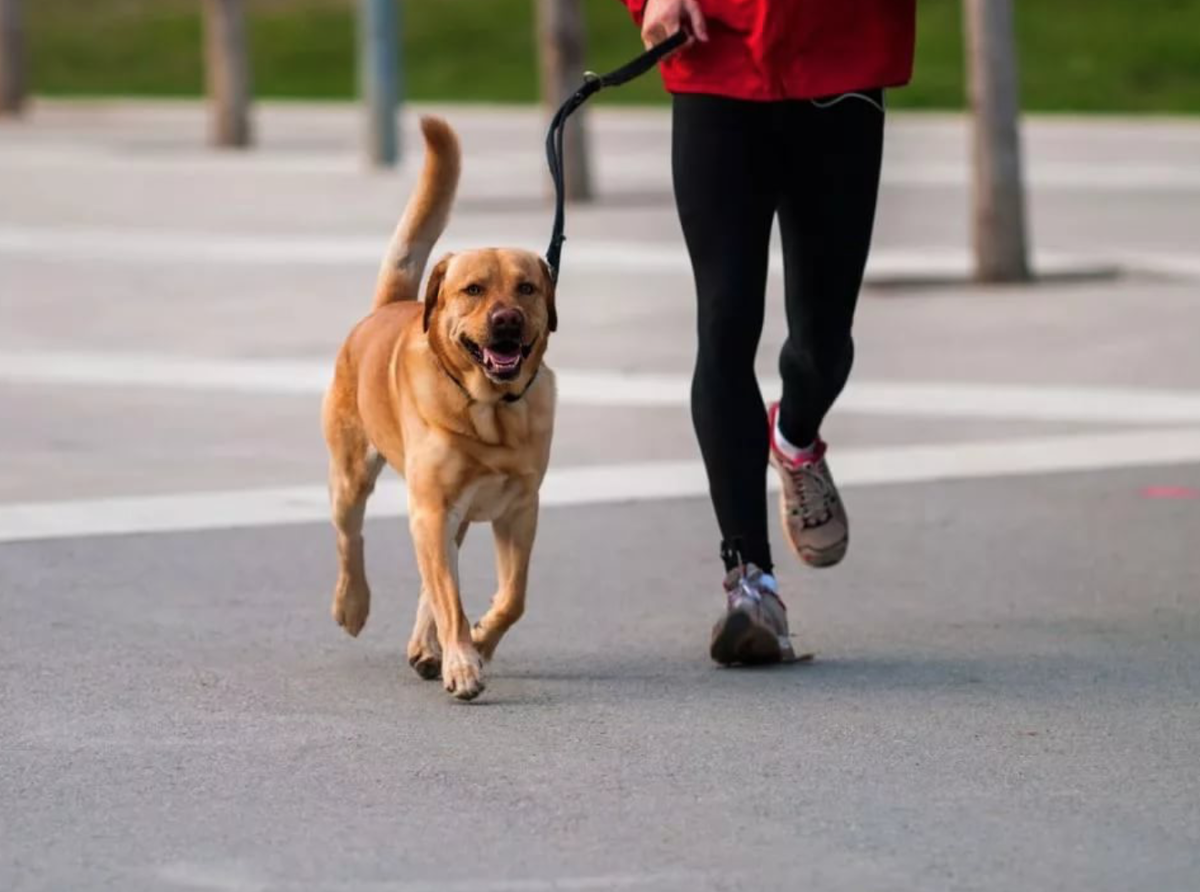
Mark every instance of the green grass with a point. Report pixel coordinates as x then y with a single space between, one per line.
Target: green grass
1077 55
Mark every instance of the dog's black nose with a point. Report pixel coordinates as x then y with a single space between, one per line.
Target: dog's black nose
507 320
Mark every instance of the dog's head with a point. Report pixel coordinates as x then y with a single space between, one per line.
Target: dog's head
491 311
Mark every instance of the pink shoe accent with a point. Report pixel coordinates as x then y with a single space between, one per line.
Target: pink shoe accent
812 456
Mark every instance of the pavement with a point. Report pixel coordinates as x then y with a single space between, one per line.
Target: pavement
1007 684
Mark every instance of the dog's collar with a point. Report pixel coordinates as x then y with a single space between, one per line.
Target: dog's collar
507 398
513 397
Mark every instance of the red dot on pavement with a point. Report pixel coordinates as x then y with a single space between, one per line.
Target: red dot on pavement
1171 492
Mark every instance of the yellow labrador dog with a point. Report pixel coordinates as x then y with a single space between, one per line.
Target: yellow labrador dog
452 393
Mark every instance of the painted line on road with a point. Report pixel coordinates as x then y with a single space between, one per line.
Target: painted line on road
1067 175
508 166
267 377
603 484
234 878
140 246
607 388
1181 266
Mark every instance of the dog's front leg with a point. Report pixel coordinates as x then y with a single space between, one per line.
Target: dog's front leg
424 649
514 534
433 530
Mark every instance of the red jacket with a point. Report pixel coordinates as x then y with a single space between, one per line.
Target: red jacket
794 49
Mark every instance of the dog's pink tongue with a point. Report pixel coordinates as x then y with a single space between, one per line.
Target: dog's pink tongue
503 360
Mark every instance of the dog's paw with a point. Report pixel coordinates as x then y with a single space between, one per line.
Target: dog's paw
485 641
351 604
426 663
424 649
462 674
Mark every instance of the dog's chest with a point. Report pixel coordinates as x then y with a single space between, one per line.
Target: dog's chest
491 497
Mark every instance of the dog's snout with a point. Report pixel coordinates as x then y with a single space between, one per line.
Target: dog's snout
507 320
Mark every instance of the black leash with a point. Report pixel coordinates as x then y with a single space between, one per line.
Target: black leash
592 83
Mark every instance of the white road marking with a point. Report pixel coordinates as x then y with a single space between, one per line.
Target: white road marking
604 484
497 170
1101 405
599 387
130 245
677 879
235 878
1183 266
139 246
1071 175
244 376
212 877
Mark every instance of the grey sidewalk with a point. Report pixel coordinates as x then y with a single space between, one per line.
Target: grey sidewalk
1008 685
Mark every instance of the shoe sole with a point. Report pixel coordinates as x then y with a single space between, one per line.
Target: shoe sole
821 557
738 639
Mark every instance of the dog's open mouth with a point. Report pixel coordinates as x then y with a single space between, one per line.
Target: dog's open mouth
501 359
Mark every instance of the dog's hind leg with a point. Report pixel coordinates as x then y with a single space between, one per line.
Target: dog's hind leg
424 651
353 468
514 534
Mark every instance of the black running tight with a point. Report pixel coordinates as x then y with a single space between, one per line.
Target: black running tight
736 165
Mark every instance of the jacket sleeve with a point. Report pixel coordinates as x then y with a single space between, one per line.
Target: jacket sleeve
637 9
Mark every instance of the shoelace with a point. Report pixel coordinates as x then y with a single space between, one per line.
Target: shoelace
816 495
747 587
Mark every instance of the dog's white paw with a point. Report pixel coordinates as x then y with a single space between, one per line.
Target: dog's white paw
462 673
351 604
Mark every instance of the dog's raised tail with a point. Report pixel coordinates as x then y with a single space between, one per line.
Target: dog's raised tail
424 217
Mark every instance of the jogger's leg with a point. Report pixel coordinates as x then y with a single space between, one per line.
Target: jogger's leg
726 200
826 214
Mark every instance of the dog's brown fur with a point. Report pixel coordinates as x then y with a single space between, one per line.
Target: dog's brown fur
466 459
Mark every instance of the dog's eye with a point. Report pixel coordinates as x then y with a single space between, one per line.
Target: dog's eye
473 290
525 288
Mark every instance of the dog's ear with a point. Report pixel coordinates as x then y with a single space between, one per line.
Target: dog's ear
433 288
548 284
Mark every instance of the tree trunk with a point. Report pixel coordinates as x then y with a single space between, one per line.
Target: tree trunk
378 79
998 192
12 58
227 72
560 39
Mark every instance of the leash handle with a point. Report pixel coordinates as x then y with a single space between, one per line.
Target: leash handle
592 83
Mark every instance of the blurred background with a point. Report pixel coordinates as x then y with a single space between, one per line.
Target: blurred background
1098 56
194 198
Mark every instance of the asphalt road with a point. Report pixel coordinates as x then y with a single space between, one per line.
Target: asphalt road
1007 685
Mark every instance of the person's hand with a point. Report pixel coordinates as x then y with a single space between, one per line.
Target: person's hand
662 18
